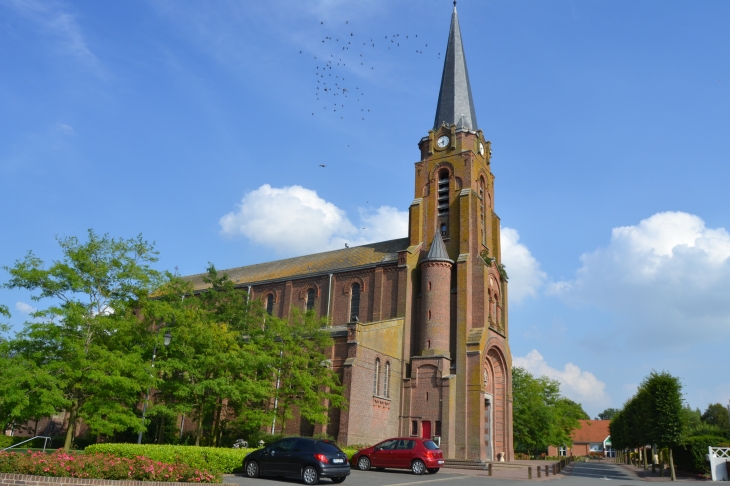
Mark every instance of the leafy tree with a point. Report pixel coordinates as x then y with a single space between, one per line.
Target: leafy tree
89 339
717 414
306 378
608 414
541 416
664 396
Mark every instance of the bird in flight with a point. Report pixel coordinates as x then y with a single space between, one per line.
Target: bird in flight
321 165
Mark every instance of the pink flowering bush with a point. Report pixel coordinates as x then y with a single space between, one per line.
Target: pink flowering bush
101 466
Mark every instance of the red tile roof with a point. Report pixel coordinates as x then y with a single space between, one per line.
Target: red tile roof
591 431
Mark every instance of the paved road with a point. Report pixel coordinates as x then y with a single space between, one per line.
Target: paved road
580 474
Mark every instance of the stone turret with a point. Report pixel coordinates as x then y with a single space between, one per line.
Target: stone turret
435 300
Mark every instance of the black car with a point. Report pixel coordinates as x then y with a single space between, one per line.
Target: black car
301 458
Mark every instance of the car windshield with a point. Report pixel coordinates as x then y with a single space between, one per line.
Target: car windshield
327 447
431 445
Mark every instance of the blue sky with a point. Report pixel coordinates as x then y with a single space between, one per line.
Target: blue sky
191 123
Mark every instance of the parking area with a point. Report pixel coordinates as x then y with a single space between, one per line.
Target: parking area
578 474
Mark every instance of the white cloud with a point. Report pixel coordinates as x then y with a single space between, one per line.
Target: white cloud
24 308
667 278
580 386
525 276
295 220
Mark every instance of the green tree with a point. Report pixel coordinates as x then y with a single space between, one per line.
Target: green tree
717 414
89 338
541 416
306 378
608 414
217 364
664 395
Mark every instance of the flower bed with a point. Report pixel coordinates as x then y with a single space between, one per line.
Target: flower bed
101 466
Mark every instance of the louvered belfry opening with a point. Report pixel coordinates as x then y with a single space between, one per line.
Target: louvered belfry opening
443 203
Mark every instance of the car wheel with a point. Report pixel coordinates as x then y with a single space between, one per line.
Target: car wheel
337 480
252 469
418 467
363 464
433 470
310 475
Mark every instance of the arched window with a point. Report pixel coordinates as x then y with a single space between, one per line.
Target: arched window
270 304
386 380
310 299
482 211
355 302
443 202
376 378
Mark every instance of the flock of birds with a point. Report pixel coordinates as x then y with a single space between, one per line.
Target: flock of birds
352 56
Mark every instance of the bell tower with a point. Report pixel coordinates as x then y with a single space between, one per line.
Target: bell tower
459 329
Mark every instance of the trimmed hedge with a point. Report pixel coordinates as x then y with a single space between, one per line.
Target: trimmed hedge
690 456
214 459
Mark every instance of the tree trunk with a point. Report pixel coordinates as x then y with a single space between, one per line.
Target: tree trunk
216 421
645 461
661 463
70 429
199 432
161 430
653 460
671 465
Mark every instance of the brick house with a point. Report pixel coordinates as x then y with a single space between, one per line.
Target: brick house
593 436
419 323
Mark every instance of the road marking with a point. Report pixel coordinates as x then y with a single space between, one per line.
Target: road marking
430 481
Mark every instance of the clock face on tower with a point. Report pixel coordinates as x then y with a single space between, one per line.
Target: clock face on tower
481 148
442 141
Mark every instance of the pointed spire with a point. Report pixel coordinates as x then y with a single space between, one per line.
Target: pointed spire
455 105
438 250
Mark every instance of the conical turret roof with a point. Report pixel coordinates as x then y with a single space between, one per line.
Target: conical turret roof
438 250
455 105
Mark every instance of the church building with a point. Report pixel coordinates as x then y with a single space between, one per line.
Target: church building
420 324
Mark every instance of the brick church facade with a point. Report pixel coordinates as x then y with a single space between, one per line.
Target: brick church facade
420 324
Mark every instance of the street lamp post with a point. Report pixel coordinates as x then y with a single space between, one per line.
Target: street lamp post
166 341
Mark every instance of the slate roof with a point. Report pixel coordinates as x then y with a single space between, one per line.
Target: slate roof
319 263
591 431
455 105
438 250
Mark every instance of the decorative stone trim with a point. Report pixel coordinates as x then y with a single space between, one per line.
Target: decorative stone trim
28 480
380 402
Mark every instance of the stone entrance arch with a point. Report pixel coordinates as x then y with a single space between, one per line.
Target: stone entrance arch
498 374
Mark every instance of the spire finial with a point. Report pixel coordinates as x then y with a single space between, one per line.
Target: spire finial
454 3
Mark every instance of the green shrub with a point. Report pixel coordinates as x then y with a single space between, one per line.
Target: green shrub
101 466
214 459
350 451
690 456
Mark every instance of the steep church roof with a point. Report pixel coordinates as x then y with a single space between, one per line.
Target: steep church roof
309 265
455 105
438 250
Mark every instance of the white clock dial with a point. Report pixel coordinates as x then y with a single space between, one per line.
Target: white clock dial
481 148
442 141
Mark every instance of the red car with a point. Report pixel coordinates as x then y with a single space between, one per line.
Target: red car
418 455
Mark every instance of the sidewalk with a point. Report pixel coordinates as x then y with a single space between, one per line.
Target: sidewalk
648 476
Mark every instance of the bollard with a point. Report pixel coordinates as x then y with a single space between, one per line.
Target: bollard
554 473
547 471
490 469
529 472
538 471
